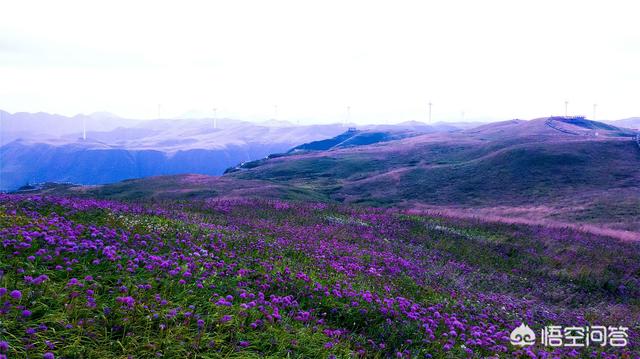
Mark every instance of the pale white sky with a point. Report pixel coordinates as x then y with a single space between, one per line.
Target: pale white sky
385 59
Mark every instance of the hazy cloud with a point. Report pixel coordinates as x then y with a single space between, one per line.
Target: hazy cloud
490 59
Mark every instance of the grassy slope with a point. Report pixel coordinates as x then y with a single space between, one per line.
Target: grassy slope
514 165
470 173
501 273
187 187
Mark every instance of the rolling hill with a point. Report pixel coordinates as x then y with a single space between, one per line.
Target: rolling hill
631 122
562 171
39 148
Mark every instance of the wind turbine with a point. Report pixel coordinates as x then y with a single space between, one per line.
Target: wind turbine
430 112
84 128
566 108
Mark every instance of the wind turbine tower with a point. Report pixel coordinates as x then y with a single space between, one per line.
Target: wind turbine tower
430 112
215 118
594 111
84 129
566 109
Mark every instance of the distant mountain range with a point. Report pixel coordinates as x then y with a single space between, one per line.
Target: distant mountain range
512 162
41 147
555 168
41 124
631 122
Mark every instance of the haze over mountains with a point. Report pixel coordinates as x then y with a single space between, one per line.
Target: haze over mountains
543 166
568 169
43 147
631 122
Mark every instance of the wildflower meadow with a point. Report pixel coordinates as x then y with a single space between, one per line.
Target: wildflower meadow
84 278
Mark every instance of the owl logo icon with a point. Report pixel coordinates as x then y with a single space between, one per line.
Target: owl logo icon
523 336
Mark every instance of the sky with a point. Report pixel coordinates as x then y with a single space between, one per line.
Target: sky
385 60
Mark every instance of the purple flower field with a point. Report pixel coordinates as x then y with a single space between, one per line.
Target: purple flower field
84 278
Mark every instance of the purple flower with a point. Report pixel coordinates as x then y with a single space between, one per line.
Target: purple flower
223 302
40 279
225 318
48 355
243 344
15 294
129 302
4 346
26 313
